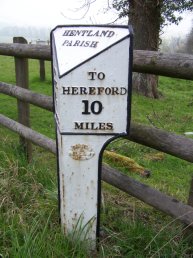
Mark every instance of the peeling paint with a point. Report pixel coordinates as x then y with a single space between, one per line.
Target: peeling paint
81 152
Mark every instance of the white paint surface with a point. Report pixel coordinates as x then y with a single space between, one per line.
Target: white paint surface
69 56
114 63
79 146
79 184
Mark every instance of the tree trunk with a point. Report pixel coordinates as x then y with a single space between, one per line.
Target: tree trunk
144 16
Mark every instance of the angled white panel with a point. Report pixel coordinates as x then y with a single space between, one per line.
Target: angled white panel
75 45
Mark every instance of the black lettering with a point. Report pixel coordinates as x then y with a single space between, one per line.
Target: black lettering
65 42
86 44
82 43
87 125
77 42
78 125
107 91
96 34
94 44
78 32
100 90
104 33
93 108
101 76
110 34
115 91
69 43
93 127
84 32
72 33
90 33
66 90
83 91
86 107
92 91
123 91
66 32
74 91
109 126
101 126
92 75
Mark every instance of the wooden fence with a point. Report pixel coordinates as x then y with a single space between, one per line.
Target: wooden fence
178 66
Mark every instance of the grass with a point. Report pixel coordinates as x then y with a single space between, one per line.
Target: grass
29 221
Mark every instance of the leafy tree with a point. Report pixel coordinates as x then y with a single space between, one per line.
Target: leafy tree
148 17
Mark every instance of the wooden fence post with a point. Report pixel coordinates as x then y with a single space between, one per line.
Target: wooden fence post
22 80
42 70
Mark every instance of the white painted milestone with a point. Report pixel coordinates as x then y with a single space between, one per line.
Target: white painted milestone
95 81
92 87
78 44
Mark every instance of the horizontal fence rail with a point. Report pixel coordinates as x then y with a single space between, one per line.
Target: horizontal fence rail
29 134
172 65
153 197
36 99
176 145
28 51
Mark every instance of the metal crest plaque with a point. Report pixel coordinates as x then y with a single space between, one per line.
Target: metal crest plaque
92 98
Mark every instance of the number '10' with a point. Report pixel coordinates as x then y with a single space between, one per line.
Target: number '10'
95 107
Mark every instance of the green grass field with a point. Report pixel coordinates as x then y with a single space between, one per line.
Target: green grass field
29 219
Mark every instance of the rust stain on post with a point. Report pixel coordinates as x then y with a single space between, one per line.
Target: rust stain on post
63 189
